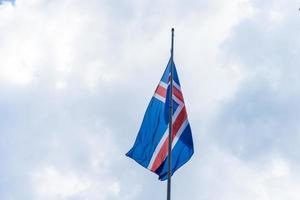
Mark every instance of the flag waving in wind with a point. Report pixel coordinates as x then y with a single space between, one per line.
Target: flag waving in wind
151 146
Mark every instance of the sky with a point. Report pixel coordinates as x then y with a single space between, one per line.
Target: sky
76 78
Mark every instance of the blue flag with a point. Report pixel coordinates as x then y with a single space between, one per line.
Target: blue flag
151 145
11 1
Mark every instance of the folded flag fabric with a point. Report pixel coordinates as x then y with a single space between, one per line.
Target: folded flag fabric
151 145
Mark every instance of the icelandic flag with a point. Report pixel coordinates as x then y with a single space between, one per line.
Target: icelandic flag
11 1
151 146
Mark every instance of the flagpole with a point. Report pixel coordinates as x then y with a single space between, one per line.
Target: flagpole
170 122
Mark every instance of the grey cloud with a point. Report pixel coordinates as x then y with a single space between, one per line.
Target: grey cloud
263 117
98 65
258 122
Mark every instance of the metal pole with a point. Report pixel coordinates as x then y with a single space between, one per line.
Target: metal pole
170 122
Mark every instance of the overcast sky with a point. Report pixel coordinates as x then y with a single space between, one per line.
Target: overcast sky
76 78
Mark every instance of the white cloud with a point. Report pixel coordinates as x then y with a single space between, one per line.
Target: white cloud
49 183
72 71
220 174
52 183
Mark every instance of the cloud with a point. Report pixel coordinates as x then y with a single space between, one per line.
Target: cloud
76 77
258 126
263 115
221 174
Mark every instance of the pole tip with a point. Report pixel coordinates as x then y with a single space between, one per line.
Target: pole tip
172 29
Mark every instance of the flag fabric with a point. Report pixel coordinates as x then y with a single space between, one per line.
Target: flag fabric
151 145
11 1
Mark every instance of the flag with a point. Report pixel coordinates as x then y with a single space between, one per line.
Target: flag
151 145
11 1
